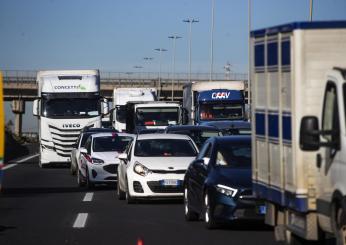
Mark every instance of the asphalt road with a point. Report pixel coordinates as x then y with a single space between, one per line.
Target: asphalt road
45 206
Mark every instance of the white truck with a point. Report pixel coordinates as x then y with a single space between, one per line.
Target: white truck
214 101
304 187
69 100
153 115
123 95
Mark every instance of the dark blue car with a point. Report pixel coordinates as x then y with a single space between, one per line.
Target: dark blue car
218 186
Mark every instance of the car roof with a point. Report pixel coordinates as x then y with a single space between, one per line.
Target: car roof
162 136
191 127
92 130
233 139
111 134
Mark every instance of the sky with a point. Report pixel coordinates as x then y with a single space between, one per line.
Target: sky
114 35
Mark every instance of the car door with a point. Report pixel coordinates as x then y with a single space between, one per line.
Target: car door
83 157
198 172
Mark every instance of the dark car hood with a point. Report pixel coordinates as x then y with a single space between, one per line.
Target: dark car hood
232 177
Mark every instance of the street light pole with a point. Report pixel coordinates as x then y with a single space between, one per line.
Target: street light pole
311 9
148 59
212 40
174 38
190 21
159 90
249 54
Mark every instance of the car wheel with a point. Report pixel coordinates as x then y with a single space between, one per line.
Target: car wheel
121 194
89 183
129 199
208 214
189 214
80 179
340 227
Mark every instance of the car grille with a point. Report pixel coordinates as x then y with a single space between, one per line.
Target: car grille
180 171
156 187
111 168
63 139
137 187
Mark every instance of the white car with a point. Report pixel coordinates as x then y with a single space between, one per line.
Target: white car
99 159
154 165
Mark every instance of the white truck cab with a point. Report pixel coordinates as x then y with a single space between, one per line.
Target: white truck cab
69 100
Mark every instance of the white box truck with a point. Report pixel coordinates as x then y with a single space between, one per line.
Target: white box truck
304 189
123 95
208 101
69 100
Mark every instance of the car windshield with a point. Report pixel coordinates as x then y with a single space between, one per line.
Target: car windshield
75 107
210 112
165 148
157 116
111 143
198 136
234 156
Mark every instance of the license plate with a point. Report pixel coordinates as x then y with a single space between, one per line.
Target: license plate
262 209
170 182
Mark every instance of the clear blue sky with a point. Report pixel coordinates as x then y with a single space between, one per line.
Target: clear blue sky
115 35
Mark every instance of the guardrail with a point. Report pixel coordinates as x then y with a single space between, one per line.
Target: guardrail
107 76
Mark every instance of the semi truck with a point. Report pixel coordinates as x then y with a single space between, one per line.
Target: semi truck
214 101
153 115
68 101
120 98
299 166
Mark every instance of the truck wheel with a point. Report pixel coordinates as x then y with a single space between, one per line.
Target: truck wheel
340 227
208 213
189 214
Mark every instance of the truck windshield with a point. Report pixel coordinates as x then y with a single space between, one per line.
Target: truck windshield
157 116
71 107
210 112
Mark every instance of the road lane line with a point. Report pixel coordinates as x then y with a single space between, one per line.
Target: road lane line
27 158
9 166
80 220
88 197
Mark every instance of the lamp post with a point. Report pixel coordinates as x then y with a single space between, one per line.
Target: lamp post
249 54
148 59
212 40
311 9
190 21
160 51
174 38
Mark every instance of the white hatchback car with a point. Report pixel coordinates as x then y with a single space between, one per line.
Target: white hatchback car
99 159
154 165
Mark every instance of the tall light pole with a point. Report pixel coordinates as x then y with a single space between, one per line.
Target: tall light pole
212 40
174 38
148 59
160 51
249 54
190 21
311 9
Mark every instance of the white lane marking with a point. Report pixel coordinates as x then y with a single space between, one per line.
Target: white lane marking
80 220
9 166
88 197
27 158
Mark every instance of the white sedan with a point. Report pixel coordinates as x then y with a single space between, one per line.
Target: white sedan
99 159
154 165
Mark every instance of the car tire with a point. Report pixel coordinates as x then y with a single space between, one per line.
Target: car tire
120 193
80 180
189 214
90 185
340 232
128 197
207 213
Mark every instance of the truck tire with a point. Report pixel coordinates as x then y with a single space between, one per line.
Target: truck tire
189 214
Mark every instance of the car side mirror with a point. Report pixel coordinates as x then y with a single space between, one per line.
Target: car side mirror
123 156
309 134
83 151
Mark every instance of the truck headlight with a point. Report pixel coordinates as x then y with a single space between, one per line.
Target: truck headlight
141 169
226 190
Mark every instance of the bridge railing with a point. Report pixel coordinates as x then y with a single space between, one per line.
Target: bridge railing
107 76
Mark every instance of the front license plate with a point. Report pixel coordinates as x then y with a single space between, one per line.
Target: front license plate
170 182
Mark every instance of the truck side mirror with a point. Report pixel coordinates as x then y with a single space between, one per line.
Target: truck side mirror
104 107
309 134
36 108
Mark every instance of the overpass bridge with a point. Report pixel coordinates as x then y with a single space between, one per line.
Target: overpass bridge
20 85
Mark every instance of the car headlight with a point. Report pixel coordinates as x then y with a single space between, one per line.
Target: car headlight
141 169
226 190
97 161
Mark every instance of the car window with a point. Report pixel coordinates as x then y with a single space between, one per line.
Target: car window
111 143
84 139
234 156
88 145
165 148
